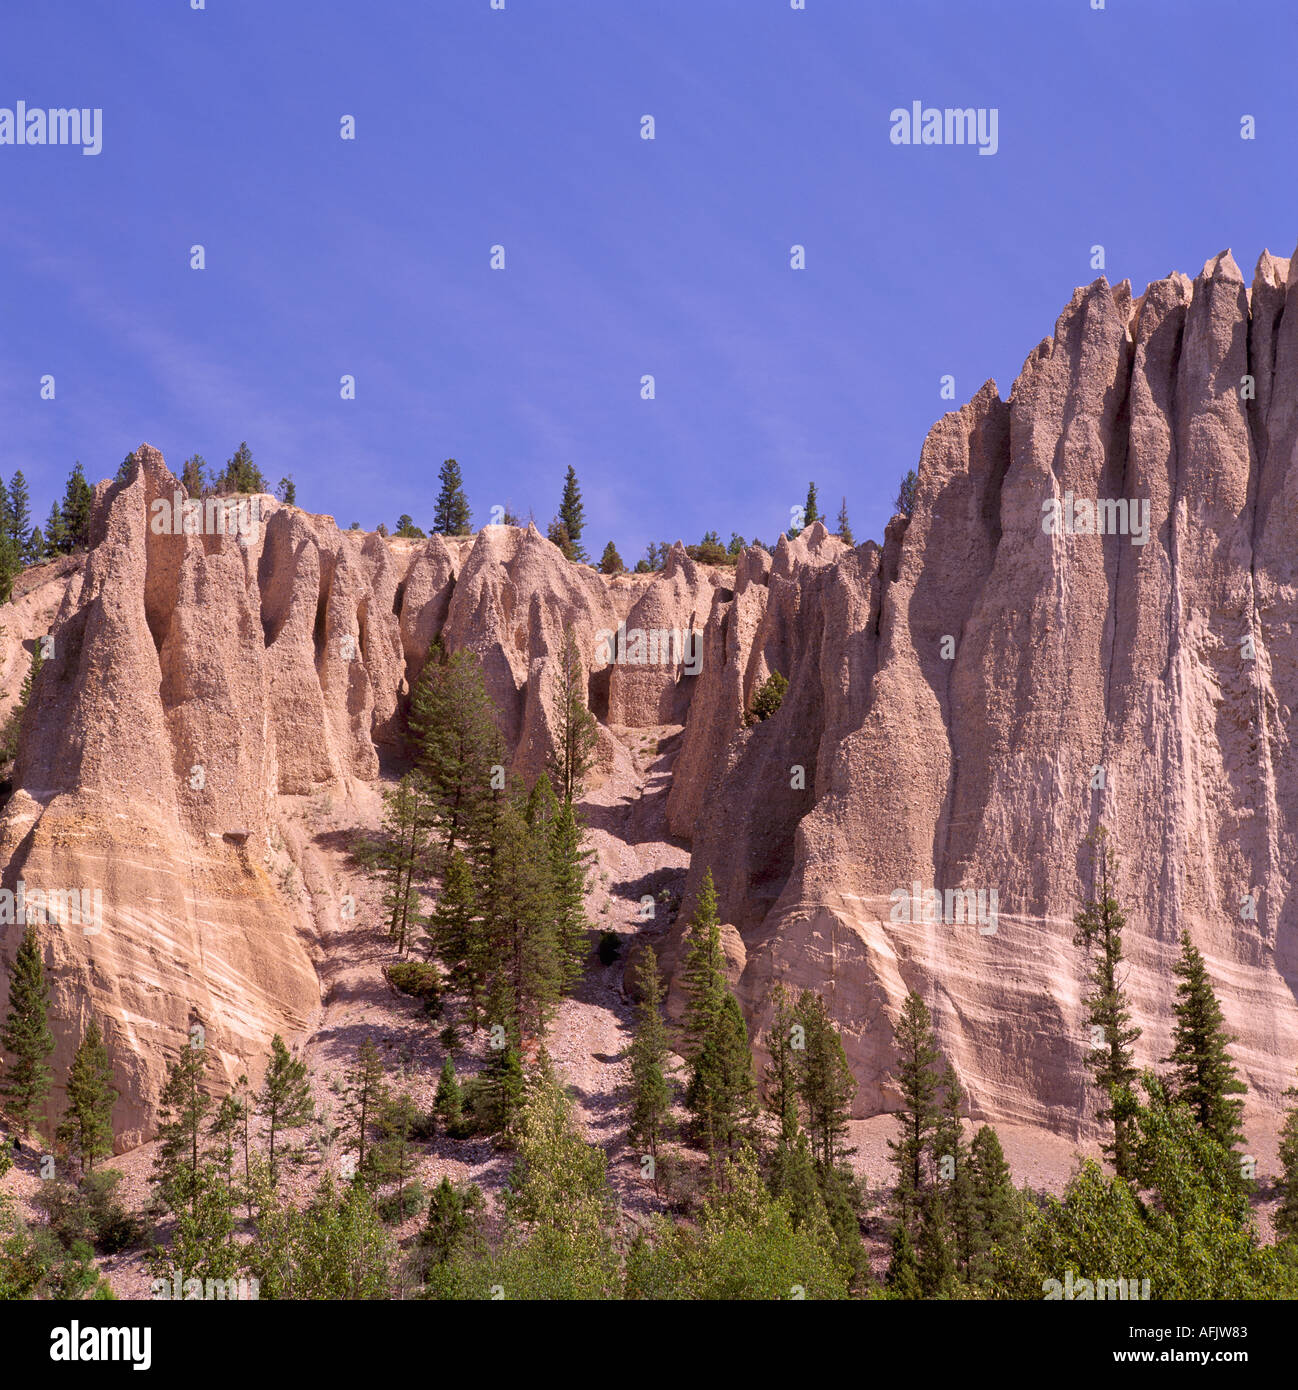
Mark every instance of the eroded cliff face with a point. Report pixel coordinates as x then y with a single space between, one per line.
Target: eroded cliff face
965 704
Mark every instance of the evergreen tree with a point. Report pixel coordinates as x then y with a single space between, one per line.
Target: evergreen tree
284 1100
193 476
225 1129
182 1108
37 549
455 936
86 1129
780 1075
1203 1076
451 515
611 562
951 1163
12 740
721 1087
572 514
825 1083
936 1258
811 512
651 1094
906 492
576 733
406 528
1286 1217
527 969
401 854
903 1269
845 526
395 1158
1111 1062
917 1079
448 1105
558 536
126 469
287 492
365 1096
994 1202
56 533
26 1035
19 518
457 745
77 500
568 884
241 473
453 1212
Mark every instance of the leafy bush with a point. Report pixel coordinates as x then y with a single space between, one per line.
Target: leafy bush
397 1207
90 1213
420 980
769 697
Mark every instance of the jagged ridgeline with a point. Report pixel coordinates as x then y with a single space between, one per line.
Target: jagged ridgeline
1087 617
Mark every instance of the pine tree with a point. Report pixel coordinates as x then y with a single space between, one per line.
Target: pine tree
568 862
284 1100
19 518
936 1258
572 514
527 970
721 1087
456 744
651 1093
451 516
241 473
225 1129
845 526
182 1108
26 1035
906 492
287 492
1203 1076
917 1079
811 512
611 562
448 1104
780 1075
126 469
365 1095
1111 1062
77 500
56 533
395 1158
37 549
951 1163
401 854
1286 1217
903 1270
825 1083
193 476
12 740
994 1208
576 733
86 1129
456 937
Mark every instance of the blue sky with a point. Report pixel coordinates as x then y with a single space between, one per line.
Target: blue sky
624 256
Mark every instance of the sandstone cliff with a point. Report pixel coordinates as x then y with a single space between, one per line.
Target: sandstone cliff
965 703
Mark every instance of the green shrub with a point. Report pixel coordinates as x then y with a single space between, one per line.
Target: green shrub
769 697
420 980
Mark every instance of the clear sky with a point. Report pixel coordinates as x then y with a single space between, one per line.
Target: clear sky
521 127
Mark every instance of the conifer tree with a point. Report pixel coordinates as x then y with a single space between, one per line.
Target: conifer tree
365 1095
182 1108
936 1258
811 511
951 1163
451 515
86 1129
906 493
825 1083
193 476
12 740
56 533
77 500
456 744
126 469
1203 1076
448 1104
917 1078
401 854
651 1093
903 1269
568 860
26 1035
994 1209
571 513
576 733
780 1075
287 492
19 517
611 562
844 532
721 1087
456 936
37 549
395 1158
1111 1062
284 1100
241 473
